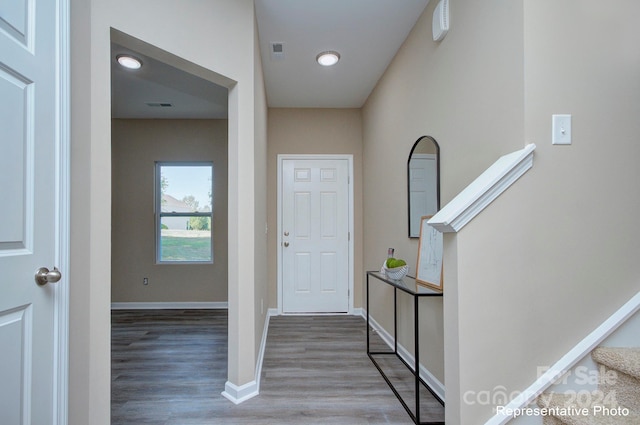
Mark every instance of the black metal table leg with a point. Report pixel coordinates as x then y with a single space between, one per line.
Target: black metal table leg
395 320
416 293
416 367
368 349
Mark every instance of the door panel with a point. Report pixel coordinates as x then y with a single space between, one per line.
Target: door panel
14 326
328 272
328 215
302 283
302 215
14 20
315 225
28 170
15 161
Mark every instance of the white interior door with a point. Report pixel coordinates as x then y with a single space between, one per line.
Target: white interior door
423 192
28 170
315 235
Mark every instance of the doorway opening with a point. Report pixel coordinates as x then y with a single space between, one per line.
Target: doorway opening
174 114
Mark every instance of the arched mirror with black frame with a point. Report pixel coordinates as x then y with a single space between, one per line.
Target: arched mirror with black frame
423 182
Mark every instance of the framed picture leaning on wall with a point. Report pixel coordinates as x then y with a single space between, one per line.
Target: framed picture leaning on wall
429 267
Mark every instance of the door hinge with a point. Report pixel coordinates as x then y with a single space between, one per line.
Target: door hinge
348 179
348 236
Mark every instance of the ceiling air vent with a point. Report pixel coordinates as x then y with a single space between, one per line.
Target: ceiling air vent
277 51
159 104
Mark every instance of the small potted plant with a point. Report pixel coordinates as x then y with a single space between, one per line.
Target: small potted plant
395 268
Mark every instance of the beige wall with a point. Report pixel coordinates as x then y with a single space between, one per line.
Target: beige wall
87 357
215 40
261 268
136 146
554 256
314 131
466 92
567 253
564 240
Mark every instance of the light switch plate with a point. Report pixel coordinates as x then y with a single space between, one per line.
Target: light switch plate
561 129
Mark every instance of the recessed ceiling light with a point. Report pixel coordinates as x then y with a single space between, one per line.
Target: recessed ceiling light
328 58
129 61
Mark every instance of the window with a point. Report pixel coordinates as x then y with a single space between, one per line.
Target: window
184 212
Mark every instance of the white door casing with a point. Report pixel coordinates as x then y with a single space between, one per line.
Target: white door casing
34 143
423 192
315 221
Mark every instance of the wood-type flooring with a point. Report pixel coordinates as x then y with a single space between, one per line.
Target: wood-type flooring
169 367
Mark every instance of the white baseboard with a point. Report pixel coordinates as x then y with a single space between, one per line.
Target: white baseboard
251 389
170 305
238 394
263 344
569 360
428 377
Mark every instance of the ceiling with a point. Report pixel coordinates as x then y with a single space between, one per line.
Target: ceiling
366 33
147 92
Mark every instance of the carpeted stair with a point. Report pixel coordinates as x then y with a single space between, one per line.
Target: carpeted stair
618 393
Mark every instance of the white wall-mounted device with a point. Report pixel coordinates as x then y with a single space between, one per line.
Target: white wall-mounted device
440 25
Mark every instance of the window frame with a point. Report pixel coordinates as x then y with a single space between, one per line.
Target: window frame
158 214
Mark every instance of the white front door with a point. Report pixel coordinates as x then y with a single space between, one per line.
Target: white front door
315 235
29 167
